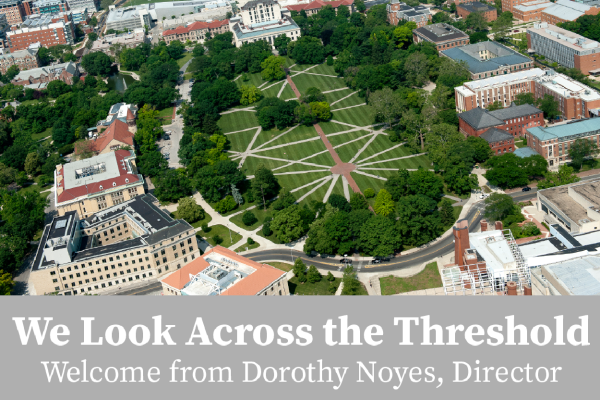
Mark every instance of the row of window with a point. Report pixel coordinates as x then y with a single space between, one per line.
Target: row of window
104 285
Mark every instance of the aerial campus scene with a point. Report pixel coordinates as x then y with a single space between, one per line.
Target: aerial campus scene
296 147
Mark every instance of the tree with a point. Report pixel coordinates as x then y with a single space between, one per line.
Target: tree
22 214
440 139
581 149
287 224
481 148
505 171
248 218
360 6
281 44
284 200
97 63
358 202
418 124
312 95
320 110
563 176
93 22
403 34
264 185
189 210
350 281
496 105
502 25
250 95
299 266
384 205
272 68
379 237
446 212
426 183
524 98
418 220
32 164
171 185
549 105
498 206
369 193
476 21
6 283
92 36
386 105
62 133
307 50
236 195
338 201
12 71
225 205
415 68
313 275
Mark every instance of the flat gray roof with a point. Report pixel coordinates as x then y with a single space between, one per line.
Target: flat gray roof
101 167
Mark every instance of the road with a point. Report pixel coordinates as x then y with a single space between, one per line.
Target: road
140 291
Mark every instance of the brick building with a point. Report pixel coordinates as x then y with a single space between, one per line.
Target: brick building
487 59
24 59
133 242
196 32
566 10
113 138
509 5
222 272
315 6
553 142
564 47
43 75
514 120
500 141
398 11
464 9
14 11
49 6
47 29
443 35
531 11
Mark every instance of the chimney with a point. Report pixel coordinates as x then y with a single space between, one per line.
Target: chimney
511 288
527 290
499 225
461 240
484 225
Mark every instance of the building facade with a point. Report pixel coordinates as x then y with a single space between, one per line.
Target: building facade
564 47
513 120
464 9
554 142
488 59
222 272
133 242
49 6
566 10
114 137
46 29
109 43
509 5
531 11
443 35
499 140
128 18
398 11
262 20
24 59
196 32
14 11
94 184
64 72
91 5
315 6
80 16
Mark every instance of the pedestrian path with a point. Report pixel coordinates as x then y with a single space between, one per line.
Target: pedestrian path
343 98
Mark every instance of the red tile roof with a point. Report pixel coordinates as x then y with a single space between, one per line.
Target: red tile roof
198 25
75 192
248 286
317 4
118 130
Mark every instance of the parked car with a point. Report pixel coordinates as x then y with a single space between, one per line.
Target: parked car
166 155
379 258
526 189
166 137
346 261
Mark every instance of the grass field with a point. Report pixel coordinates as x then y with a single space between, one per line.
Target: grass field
323 69
349 150
301 132
381 146
320 288
287 93
258 212
282 266
427 279
321 159
343 138
360 116
252 163
167 112
337 95
206 220
237 121
272 89
353 100
186 57
247 246
41 135
223 233
295 151
325 83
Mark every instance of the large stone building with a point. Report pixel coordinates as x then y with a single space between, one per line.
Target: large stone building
487 59
108 44
94 184
126 113
443 35
130 18
116 136
132 242
24 59
464 9
554 142
262 20
46 29
222 272
315 6
575 99
500 141
196 32
531 10
566 10
206 15
14 11
564 47
43 75
514 120
398 11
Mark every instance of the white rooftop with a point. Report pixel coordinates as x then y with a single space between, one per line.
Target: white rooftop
505 79
566 86
91 170
218 277
494 249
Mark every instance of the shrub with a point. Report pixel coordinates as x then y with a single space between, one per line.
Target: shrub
226 205
332 288
330 60
249 218
66 149
330 277
206 228
217 239
250 241
313 274
369 193
302 277
266 229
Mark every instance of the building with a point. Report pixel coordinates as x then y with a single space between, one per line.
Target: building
126 113
398 11
130 18
553 142
443 35
80 16
91 5
487 59
207 15
94 184
46 29
262 20
315 6
531 10
464 9
49 6
564 47
14 11
566 10
129 243
169 10
196 32
24 59
222 272
514 120
486 263
500 141
64 72
113 138
108 43
509 5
